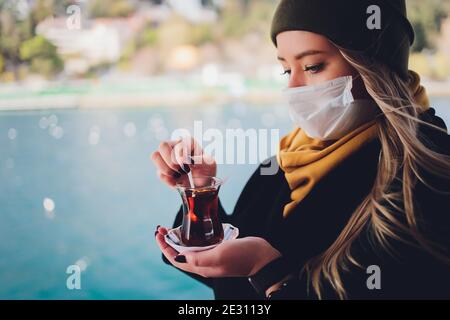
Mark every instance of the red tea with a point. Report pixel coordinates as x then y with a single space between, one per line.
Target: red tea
201 225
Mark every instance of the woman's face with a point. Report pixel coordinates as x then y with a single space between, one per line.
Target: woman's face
309 59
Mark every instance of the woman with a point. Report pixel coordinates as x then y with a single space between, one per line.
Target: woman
360 206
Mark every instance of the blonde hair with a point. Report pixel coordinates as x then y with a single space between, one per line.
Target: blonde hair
388 214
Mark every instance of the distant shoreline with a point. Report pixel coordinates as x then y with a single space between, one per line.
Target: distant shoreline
23 99
134 101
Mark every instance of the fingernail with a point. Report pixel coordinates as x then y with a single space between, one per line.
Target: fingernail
180 259
186 168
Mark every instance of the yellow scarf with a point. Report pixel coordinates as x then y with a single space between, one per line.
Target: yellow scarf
305 160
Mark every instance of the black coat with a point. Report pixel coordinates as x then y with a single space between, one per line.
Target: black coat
316 222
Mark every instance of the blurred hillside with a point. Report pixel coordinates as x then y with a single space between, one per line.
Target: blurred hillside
145 37
154 37
191 48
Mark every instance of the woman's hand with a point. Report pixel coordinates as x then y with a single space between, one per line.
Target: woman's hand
233 258
175 158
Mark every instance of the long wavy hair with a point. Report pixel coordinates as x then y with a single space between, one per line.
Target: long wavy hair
385 212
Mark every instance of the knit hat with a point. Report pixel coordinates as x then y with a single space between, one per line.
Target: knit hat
350 24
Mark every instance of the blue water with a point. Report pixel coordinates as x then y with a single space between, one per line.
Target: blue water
94 166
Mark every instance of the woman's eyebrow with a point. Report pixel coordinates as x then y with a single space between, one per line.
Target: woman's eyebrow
303 54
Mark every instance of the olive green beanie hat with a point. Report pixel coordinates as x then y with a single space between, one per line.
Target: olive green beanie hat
350 24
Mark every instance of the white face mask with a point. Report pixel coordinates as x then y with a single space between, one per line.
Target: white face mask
328 111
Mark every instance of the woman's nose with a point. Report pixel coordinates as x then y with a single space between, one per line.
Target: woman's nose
295 80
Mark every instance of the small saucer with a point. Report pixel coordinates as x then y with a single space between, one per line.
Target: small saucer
173 237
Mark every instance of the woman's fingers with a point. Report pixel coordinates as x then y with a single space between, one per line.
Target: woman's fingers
166 150
170 180
173 158
207 258
186 149
206 263
169 252
162 166
182 154
162 230
201 263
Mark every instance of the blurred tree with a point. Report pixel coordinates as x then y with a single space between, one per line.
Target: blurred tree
18 25
43 56
201 34
421 40
426 18
110 8
41 10
239 18
10 39
37 46
148 37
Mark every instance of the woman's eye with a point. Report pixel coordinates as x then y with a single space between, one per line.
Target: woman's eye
315 68
288 72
